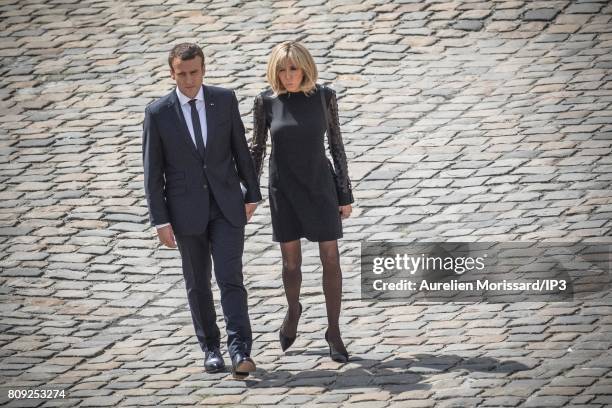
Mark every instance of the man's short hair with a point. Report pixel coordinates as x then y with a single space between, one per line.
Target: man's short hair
185 51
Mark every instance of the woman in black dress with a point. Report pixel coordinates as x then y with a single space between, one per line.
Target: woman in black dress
307 197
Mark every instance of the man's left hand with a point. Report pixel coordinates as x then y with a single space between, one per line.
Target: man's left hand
250 209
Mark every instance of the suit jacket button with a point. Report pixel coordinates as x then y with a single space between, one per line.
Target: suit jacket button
204 186
204 167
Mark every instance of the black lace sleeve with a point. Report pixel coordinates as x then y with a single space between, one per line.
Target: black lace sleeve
260 135
336 148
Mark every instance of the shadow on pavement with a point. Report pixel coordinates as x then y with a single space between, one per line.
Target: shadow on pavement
395 375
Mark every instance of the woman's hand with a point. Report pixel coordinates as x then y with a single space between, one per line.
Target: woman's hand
345 211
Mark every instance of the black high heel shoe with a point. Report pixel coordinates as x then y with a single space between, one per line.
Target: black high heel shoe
336 355
287 341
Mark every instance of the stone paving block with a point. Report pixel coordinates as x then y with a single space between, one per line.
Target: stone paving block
480 120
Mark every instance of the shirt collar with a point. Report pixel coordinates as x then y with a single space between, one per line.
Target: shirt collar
185 100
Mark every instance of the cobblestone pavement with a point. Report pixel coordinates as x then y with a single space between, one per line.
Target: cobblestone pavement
470 120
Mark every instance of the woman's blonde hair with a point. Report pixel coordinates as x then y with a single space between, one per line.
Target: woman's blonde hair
299 55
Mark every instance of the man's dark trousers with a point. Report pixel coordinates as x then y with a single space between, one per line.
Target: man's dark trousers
225 242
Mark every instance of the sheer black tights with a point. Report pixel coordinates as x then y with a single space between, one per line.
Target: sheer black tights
332 286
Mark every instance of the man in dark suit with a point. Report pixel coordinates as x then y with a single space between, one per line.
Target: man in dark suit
201 189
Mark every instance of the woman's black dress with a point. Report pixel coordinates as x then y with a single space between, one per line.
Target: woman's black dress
304 196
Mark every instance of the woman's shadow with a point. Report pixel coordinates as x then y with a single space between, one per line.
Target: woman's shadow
395 375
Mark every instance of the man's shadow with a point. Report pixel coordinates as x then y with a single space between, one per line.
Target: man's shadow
396 375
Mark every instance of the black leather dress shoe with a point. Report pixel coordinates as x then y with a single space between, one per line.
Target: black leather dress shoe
213 361
242 365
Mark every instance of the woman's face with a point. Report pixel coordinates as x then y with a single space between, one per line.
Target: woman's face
291 76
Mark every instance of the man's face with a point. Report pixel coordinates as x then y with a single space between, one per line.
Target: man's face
188 75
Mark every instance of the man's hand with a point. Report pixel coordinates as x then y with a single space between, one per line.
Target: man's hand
249 208
166 236
345 211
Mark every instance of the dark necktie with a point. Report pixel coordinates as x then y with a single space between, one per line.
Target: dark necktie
197 128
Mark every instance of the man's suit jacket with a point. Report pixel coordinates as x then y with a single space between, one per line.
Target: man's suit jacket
178 181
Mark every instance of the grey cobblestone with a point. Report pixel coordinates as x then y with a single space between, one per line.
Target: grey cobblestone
461 119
